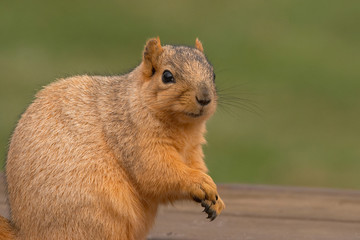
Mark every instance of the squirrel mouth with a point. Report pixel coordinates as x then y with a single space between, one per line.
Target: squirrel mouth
194 115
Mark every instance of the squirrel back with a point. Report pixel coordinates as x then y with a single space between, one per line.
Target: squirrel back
93 157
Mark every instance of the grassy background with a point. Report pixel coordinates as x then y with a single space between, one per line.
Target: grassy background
298 59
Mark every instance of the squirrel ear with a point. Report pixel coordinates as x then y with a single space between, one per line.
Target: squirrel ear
151 54
199 45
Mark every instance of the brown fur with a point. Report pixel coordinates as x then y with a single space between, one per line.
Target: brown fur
7 231
93 157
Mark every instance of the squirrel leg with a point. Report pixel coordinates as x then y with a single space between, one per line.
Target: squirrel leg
168 177
196 162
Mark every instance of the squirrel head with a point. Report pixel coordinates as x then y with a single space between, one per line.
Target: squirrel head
178 82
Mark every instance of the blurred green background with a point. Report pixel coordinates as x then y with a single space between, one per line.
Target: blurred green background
298 60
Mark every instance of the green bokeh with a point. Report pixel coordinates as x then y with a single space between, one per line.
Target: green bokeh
299 61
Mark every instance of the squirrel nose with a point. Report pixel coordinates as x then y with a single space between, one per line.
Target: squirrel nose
203 101
203 96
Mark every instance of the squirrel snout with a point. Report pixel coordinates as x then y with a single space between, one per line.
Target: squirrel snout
203 97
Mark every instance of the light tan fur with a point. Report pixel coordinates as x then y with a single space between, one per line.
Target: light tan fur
93 157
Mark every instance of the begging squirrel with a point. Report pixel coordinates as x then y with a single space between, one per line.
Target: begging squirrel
93 157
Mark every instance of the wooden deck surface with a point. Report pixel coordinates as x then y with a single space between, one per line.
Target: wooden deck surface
259 212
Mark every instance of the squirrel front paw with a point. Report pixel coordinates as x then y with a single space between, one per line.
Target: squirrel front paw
213 210
204 190
202 187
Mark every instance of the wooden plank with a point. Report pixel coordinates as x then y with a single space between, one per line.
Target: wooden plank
259 212
264 212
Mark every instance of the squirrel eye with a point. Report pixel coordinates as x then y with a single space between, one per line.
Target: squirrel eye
214 77
167 77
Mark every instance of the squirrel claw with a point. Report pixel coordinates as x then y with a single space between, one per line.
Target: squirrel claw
206 206
211 213
196 199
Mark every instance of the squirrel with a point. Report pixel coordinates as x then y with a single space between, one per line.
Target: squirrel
94 156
